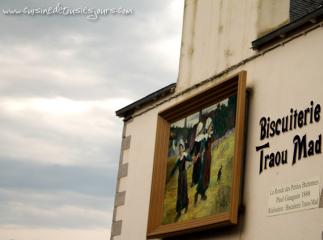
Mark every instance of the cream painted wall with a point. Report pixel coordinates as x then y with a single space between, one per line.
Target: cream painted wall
218 34
271 14
140 160
288 76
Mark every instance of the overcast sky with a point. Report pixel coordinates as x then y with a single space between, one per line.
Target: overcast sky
61 80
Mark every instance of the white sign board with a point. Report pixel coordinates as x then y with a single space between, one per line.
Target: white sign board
294 197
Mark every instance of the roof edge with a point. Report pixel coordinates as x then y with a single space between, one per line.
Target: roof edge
288 29
128 110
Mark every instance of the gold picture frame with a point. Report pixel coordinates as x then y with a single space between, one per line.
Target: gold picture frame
213 120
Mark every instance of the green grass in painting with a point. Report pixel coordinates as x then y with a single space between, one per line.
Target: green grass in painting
218 194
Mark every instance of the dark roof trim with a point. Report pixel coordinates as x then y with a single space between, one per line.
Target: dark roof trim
127 111
289 29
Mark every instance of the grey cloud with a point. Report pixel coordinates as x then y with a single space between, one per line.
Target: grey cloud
33 194
93 181
54 199
54 209
112 51
72 57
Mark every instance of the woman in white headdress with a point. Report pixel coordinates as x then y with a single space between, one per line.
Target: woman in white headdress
196 153
180 164
206 159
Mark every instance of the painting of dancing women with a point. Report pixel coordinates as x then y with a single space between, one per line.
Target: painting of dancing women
199 165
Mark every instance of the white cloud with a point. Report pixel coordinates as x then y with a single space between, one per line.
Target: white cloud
176 8
167 50
61 105
60 130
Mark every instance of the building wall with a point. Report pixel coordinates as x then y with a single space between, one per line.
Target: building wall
218 34
288 76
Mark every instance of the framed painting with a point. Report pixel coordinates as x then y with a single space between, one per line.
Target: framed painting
197 163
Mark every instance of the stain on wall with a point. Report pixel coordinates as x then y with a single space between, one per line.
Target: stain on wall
271 14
